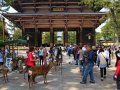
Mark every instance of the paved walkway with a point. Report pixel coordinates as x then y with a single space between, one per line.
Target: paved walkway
69 80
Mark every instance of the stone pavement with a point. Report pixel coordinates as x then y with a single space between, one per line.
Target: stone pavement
68 80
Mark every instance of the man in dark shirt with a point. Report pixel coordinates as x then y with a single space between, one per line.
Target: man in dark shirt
89 66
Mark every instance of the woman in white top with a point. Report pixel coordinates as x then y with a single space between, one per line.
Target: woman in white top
102 63
81 59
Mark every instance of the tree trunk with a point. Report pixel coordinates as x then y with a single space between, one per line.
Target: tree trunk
115 26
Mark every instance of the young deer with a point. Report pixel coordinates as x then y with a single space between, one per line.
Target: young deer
4 71
37 71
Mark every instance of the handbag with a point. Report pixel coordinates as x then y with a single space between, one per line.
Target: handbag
106 60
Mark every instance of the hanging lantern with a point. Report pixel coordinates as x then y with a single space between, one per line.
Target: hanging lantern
27 37
89 35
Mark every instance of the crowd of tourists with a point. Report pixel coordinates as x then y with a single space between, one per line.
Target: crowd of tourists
41 54
87 57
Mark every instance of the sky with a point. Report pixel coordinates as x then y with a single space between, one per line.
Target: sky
103 24
11 10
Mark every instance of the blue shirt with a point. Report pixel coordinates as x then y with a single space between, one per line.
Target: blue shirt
91 57
1 57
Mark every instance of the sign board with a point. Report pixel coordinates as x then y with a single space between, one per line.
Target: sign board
58 9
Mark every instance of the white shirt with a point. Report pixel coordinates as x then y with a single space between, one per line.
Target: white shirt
107 54
84 49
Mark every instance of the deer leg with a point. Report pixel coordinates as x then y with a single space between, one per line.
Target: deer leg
24 75
6 77
29 80
45 79
61 68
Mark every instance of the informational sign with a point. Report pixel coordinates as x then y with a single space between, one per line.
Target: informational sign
57 9
9 63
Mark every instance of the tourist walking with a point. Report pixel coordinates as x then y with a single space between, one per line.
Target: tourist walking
51 52
102 63
89 66
77 55
41 55
85 54
81 60
106 51
70 51
45 56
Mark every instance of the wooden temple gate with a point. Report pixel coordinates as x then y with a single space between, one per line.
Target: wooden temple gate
37 16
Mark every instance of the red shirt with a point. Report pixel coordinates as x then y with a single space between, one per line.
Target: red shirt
117 73
30 58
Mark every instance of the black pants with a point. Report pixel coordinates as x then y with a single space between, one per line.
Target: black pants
118 85
41 60
102 72
1 63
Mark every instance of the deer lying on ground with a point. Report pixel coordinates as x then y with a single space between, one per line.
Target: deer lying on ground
37 71
4 71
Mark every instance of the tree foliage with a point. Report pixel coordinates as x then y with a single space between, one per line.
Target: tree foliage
108 32
71 37
17 34
1 27
114 12
45 37
9 2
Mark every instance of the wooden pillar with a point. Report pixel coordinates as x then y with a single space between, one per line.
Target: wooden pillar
36 36
94 36
66 36
51 37
39 38
23 31
78 36
81 33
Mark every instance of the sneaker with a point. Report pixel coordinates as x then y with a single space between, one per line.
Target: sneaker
92 81
105 76
101 79
82 82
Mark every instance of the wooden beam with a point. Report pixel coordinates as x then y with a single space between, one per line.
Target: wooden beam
58 20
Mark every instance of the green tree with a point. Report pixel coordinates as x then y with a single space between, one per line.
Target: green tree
98 37
17 34
1 30
9 2
113 6
46 37
71 37
107 32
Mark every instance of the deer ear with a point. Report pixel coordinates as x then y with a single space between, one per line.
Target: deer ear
30 72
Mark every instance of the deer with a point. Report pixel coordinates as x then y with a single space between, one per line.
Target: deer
58 62
4 71
37 71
